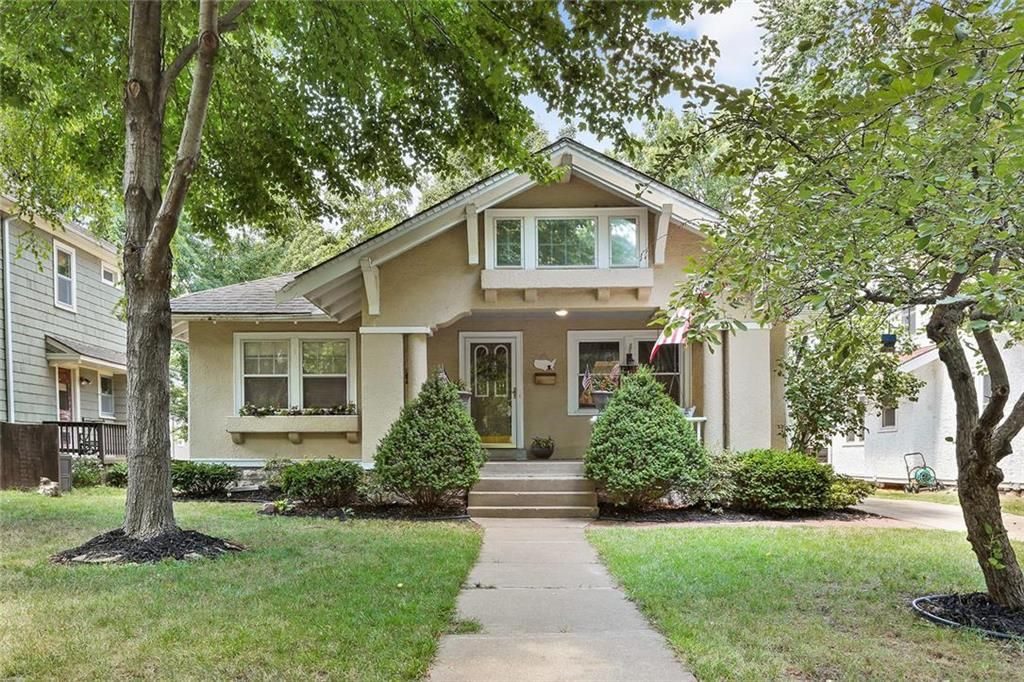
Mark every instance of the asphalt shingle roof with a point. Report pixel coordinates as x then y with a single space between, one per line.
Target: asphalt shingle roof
86 349
247 298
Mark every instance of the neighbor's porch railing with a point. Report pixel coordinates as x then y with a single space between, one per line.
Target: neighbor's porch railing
94 439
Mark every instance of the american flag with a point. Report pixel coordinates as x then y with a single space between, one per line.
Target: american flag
588 380
675 336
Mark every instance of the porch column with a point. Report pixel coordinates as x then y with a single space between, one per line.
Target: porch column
749 374
381 374
415 364
714 395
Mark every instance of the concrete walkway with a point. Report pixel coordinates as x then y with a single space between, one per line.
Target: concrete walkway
933 515
549 610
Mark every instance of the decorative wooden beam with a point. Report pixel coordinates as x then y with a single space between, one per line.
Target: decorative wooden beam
371 283
472 235
604 294
490 295
661 240
529 295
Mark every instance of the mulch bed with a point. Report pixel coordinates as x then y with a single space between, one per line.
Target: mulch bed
610 512
115 547
394 512
972 610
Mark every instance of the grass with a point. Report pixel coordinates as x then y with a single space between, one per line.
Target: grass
757 603
1012 503
310 599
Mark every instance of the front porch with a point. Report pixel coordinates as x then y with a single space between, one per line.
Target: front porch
529 373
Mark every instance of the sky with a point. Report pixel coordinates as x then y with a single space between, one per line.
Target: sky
739 40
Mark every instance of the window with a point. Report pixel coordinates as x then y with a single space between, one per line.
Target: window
532 238
324 373
265 373
106 389
623 233
63 276
108 275
508 242
305 369
596 353
888 419
566 242
856 436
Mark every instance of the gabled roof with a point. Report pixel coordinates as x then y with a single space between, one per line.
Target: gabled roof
335 285
60 348
72 233
247 298
919 357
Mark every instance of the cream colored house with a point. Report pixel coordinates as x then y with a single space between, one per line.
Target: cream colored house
494 284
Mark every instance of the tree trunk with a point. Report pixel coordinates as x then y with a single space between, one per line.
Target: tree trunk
148 509
978 474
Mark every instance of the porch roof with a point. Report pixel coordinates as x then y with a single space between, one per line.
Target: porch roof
63 350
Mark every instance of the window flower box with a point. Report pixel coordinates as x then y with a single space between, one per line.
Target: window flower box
294 426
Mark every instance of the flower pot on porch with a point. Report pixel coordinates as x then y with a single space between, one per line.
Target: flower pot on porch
466 397
601 399
542 452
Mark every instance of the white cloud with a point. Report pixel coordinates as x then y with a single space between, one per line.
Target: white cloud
738 37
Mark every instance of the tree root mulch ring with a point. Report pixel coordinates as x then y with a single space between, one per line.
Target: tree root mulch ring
973 611
611 512
115 547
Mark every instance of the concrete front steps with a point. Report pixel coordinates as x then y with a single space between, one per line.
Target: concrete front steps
533 489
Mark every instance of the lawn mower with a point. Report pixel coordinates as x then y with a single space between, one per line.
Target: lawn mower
920 476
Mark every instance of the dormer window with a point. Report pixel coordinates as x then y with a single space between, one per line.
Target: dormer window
568 238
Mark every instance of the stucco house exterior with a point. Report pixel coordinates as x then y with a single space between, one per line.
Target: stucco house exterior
876 452
63 343
493 284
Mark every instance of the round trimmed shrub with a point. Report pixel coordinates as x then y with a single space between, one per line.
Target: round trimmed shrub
202 479
847 491
324 483
780 481
642 447
432 452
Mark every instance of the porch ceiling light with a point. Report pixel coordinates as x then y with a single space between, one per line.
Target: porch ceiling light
562 313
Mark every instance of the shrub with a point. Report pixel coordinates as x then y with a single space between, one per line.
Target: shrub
372 491
642 447
778 481
846 492
272 469
718 489
432 451
86 472
199 479
323 483
117 475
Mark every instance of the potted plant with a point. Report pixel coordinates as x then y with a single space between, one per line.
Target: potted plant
601 388
542 447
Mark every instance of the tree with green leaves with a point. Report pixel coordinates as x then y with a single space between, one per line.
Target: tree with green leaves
248 112
834 374
884 171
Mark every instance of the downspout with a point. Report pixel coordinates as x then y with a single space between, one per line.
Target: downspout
8 349
725 390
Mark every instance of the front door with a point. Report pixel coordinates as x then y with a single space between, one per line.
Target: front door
490 365
65 395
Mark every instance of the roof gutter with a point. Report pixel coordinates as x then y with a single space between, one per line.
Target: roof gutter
5 228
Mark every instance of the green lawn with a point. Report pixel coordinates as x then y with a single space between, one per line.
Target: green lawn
757 603
1012 503
311 599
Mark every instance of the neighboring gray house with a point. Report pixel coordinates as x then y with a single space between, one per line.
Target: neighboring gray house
63 344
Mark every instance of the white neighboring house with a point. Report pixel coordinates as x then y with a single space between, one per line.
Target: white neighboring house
924 426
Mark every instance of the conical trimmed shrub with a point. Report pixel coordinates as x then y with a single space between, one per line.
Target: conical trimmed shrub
642 447
432 452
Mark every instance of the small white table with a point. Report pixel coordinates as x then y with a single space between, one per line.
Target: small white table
698 426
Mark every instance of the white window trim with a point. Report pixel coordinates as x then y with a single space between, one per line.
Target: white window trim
104 269
294 361
529 235
99 396
895 420
76 387
625 337
57 248
522 241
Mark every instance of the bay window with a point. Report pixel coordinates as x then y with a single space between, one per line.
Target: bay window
303 370
566 242
508 242
594 354
624 238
